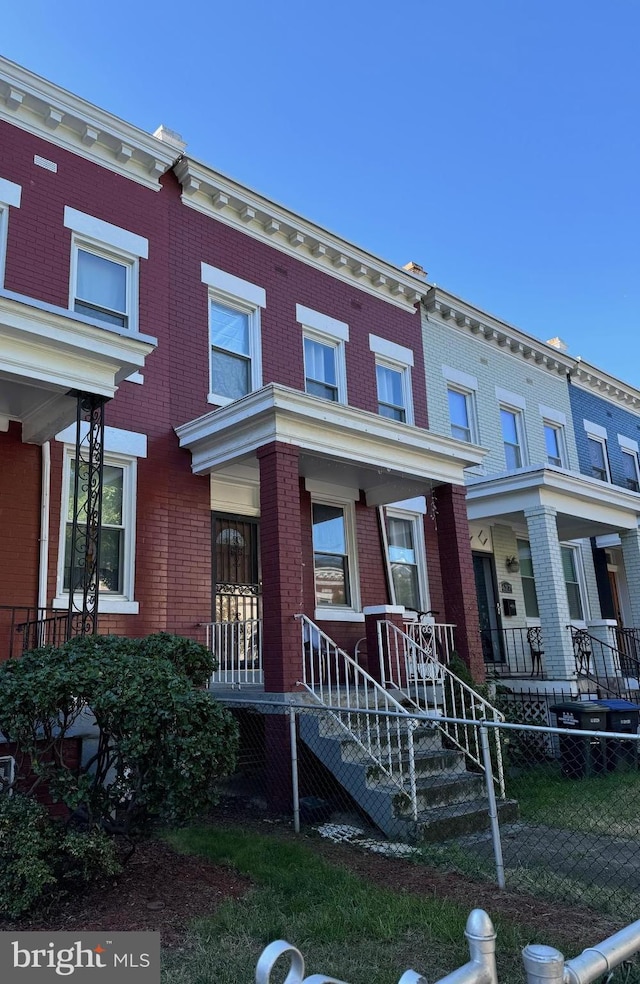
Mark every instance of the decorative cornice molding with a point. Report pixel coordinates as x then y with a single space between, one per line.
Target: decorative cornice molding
216 195
451 310
605 386
64 119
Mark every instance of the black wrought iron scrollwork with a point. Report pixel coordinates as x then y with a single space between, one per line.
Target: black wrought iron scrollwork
86 519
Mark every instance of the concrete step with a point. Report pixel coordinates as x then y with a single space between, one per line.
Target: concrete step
445 822
444 790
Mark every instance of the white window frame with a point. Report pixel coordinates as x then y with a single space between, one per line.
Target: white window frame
518 416
598 434
629 447
417 522
467 386
112 243
345 501
558 430
247 298
332 333
10 197
578 564
397 358
122 450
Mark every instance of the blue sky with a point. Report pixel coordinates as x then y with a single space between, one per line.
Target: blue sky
496 142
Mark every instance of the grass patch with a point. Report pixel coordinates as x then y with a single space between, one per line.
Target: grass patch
606 804
344 926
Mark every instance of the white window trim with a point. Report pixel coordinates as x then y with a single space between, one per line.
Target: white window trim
553 416
417 521
576 549
322 323
595 430
404 370
627 443
510 401
127 260
633 454
463 380
341 613
562 444
240 295
472 412
337 344
518 414
10 197
391 350
600 437
122 449
105 234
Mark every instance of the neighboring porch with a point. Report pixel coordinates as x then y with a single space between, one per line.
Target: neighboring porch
537 580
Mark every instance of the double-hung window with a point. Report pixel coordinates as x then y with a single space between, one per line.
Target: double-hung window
406 559
324 341
597 446
104 270
528 580
571 571
393 379
629 458
235 346
10 195
553 442
511 423
461 401
116 571
335 559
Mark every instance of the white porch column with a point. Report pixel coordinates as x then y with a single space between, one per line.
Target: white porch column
558 659
630 540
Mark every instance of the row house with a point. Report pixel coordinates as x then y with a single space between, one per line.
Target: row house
543 495
254 385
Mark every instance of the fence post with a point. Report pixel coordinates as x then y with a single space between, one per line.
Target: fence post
295 793
493 809
543 964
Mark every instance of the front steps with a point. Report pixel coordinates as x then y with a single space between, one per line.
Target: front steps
450 799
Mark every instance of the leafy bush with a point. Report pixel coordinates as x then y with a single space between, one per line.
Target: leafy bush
36 854
158 744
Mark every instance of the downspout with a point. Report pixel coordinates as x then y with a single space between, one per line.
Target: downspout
45 500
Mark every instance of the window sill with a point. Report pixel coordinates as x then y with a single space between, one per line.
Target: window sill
106 606
337 615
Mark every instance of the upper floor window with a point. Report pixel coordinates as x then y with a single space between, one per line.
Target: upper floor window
597 445
512 437
393 379
104 269
461 414
324 354
235 348
630 469
10 195
554 442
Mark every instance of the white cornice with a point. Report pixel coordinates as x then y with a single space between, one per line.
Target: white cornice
220 197
605 386
451 310
65 120
327 430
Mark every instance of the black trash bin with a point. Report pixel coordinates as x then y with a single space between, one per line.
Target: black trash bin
623 717
581 755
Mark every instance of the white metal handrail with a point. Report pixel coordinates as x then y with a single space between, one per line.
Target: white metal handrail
335 680
431 686
237 647
436 638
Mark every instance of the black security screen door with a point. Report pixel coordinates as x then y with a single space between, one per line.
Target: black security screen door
236 569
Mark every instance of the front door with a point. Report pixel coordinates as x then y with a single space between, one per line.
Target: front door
488 608
237 598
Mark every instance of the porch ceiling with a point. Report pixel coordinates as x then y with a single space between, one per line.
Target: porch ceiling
338 444
584 506
46 352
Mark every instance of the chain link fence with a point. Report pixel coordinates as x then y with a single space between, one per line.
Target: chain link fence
554 812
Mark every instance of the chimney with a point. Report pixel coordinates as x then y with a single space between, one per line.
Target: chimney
170 138
415 269
557 343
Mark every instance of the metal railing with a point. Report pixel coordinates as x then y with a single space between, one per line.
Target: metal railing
603 664
335 680
541 963
512 652
433 637
237 647
25 627
431 687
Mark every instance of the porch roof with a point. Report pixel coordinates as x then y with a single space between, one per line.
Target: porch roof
338 443
47 351
585 506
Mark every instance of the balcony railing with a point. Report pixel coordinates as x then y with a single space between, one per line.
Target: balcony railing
512 652
23 627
